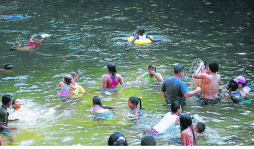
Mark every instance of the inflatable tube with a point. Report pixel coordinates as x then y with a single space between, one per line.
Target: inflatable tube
137 41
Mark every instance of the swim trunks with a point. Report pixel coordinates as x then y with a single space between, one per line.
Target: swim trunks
208 101
33 44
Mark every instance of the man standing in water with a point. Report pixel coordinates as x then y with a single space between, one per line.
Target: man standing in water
174 89
210 83
7 101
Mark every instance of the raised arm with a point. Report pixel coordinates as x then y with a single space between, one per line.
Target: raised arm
159 78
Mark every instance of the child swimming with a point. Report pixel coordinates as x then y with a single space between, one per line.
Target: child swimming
112 79
100 109
141 36
117 139
151 74
188 134
133 103
243 84
66 85
235 95
7 68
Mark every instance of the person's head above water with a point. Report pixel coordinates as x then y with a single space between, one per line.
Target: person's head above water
241 81
112 68
141 31
67 79
134 101
117 139
16 103
97 100
74 75
199 127
185 121
213 66
178 71
232 85
8 66
152 67
176 108
148 140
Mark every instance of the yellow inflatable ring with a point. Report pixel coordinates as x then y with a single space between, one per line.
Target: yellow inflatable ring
137 41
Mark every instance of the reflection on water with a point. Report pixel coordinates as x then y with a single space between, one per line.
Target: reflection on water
87 35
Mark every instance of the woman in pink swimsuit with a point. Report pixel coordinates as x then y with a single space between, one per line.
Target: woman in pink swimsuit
112 79
188 134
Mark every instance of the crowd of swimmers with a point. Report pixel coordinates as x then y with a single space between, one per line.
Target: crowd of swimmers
174 90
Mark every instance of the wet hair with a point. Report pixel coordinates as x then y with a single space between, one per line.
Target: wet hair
178 69
13 102
214 67
135 100
6 99
141 31
153 67
67 79
73 74
148 140
185 122
232 84
206 63
117 139
112 68
97 100
175 106
200 127
8 66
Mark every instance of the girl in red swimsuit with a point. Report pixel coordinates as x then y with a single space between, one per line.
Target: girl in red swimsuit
188 134
112 79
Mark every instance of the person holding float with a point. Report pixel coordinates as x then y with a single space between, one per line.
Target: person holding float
140 38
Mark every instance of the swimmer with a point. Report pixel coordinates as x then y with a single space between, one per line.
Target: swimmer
151 74
66 85
7 68
78 88
100 109
6 103
234 95
199 128
16 104
188 134
139 34
16 17
169 119
133 103
29 45
242 84
112 79
148 140
117 139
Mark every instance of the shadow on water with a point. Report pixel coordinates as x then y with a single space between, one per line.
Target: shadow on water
87 35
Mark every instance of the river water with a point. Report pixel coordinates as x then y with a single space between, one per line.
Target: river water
87 35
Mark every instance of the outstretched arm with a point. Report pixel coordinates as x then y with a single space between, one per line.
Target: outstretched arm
154 40
191 93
